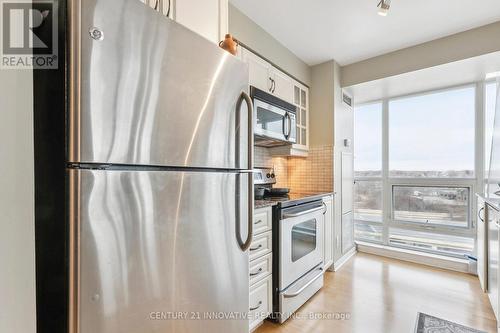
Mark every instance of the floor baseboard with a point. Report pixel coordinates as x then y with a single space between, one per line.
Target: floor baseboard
342 260
454 264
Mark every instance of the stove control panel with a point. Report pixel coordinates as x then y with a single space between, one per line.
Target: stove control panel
264 176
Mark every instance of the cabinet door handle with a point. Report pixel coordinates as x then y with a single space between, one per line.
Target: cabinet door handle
324 212
259 221
169 6
256 248
479 214
271 87
258 306
274 86
156 4
256 273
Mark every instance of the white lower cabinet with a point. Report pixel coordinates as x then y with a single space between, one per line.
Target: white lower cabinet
328 233
261 245
261 302
261 265
482 243
260 268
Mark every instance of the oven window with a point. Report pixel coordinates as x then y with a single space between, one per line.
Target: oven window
303 239
269 121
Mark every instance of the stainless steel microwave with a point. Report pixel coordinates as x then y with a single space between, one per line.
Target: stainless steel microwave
275 121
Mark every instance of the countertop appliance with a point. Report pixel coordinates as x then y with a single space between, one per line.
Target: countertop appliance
275 121
159 166
298 227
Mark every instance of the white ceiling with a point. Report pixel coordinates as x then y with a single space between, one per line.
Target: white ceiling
351 30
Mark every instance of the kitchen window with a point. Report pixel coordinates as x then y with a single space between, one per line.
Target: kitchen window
415 170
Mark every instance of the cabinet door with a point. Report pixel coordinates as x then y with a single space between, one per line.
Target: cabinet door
493 244
347 172
259 71
482 258
347 232
205 17
328 241
283 85
301 101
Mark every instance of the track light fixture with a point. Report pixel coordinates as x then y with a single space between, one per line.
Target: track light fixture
383 7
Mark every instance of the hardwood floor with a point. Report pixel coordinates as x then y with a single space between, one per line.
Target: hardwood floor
383 295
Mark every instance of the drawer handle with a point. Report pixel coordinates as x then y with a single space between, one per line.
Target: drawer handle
259 221
256 248
258 306
256 273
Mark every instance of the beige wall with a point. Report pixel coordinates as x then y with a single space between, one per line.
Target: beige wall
460 46
321 104
17 238
244 29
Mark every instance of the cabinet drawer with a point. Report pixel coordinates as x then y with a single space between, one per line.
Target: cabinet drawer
260 268
260 301
261 245
262 220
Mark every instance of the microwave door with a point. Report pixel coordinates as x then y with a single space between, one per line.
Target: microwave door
270 121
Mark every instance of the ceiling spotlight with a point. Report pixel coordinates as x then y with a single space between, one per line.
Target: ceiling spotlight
383 7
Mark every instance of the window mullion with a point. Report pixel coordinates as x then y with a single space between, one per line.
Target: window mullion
386 190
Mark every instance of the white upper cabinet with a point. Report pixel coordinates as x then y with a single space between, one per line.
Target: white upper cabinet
301 101
282 85
208 18
258 70
163 6
266 77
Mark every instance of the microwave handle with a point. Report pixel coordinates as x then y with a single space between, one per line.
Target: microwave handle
289 125
286 119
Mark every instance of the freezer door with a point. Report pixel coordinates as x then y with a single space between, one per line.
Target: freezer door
158 252
146 90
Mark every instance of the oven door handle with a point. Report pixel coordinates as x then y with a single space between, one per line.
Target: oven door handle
289 215
298 292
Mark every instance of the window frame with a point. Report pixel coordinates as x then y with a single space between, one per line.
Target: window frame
474 184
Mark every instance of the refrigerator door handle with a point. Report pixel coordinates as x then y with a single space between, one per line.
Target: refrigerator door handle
246 244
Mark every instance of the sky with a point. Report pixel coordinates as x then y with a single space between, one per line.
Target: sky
433 132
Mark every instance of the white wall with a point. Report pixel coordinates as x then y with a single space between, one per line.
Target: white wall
17 237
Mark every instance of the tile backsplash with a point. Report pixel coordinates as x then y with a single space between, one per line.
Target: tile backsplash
311 174
262 159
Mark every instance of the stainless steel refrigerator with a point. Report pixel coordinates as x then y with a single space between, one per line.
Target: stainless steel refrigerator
159 159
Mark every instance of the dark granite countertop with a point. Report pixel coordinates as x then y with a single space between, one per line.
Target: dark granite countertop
291 198
263 203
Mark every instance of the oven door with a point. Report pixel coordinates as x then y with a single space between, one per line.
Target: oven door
301 241
274 122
